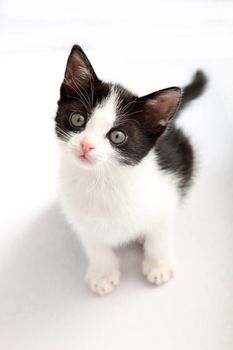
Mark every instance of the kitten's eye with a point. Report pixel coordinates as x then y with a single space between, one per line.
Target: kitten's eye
117 136
77 120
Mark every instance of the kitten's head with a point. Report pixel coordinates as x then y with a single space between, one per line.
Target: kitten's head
101 123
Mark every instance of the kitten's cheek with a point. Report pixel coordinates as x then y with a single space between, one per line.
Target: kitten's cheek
76 153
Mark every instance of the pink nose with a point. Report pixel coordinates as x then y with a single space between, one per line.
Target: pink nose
86 147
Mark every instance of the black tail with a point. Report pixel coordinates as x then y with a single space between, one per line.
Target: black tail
193 90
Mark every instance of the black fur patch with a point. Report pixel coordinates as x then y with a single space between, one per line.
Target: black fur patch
79 101
193 90
175 154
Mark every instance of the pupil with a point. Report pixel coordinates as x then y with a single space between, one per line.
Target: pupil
79 120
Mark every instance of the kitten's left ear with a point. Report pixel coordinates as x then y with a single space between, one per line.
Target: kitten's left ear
79 72
160 107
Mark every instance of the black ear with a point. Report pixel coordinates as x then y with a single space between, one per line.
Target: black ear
159 108
79 73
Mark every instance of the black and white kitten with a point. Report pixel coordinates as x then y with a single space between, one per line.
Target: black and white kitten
124 168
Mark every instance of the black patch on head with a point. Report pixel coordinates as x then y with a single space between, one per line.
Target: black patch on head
81 90
173 149
82 102
140 117
139 141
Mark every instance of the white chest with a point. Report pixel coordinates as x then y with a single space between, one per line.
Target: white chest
116 206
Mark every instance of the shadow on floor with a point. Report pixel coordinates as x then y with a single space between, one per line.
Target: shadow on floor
46 268
46 263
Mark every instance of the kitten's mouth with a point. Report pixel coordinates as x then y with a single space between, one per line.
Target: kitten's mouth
84 158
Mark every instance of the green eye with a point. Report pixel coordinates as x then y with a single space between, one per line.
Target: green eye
117 136
77 120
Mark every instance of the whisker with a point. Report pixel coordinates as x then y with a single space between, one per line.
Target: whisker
79 93
61 141
73 97
80 97
87 101
92 90
132 113
123 121
62 133
128 105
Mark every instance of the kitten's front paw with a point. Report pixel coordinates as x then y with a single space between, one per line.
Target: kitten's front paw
102 282
157 273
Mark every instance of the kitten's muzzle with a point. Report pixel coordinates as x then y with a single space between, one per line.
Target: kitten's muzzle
86 148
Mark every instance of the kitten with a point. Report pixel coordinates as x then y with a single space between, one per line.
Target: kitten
124 168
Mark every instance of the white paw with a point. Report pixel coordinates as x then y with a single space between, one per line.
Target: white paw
102 282
157 273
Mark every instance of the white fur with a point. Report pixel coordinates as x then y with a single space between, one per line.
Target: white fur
109 204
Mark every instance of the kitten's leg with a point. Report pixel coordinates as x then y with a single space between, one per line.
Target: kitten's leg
158 264
103 273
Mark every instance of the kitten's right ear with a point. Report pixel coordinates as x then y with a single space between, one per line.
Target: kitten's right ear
79 73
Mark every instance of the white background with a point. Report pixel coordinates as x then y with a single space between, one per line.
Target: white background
147 45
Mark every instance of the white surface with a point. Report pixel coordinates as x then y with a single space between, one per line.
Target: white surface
44 303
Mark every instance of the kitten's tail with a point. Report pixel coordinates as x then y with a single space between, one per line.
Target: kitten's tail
193 90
